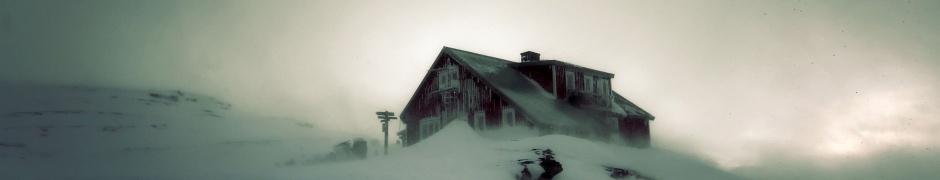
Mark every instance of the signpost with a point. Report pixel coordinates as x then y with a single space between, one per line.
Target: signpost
384 117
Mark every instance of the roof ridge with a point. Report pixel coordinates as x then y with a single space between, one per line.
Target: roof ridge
478 54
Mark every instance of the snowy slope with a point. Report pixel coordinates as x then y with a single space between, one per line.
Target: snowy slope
69 132
53 132
457 152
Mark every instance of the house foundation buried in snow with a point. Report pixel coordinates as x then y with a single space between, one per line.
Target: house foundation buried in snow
552 96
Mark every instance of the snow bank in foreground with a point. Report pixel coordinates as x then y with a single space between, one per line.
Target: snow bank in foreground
457 152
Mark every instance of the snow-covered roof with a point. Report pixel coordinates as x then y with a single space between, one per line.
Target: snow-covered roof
530 99
565 64
631 110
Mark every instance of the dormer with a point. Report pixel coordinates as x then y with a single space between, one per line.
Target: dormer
578 85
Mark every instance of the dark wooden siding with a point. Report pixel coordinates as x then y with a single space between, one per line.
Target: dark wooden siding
560 83
635 131
487 101
473 95
426 103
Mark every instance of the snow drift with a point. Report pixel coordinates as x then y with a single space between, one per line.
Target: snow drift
71 132
458 152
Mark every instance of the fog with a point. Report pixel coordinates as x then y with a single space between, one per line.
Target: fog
794 89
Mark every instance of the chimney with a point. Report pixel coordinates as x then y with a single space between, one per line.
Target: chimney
530 56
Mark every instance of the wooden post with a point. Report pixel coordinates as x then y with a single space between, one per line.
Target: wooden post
384 118
385 129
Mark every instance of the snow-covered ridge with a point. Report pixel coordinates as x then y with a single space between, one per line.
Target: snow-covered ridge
55 132
37 100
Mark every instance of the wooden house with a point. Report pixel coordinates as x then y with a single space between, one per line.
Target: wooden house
549 95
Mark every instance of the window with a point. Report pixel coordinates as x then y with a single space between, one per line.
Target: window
588 84
453 77
447 77
569 80
602 86
509 117
429 126
607 87
442 79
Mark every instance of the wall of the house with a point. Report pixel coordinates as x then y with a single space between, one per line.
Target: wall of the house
427 102
481 98
635 131
472 96
560 83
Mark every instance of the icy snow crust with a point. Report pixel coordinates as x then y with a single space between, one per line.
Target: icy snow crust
458 152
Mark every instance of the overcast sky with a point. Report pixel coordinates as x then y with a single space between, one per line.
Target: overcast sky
765 89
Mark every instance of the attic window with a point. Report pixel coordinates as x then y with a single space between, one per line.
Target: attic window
569 80
453 77
448 77
588 83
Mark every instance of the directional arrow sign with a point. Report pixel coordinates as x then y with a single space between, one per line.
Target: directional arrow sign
386 114
384 118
